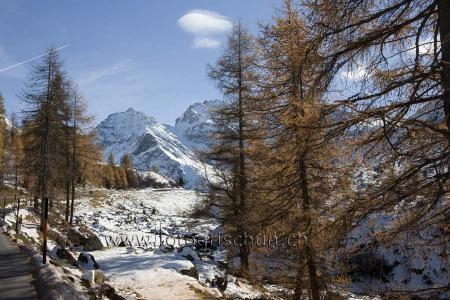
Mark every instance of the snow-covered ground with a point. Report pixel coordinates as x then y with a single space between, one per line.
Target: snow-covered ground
145 233
149 222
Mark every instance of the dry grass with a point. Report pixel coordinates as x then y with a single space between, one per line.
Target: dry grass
97 198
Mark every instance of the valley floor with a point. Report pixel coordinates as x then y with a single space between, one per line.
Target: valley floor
144 234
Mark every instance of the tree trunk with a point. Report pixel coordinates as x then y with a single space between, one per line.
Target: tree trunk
312 269
67 200
74 157
242 182
16 176
72 203
298 285
444 30
44 174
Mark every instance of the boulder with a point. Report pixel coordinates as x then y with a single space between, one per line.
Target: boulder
87 239
110 292
61 253
87 261
192 272
93 277
166 248
189 253
221 282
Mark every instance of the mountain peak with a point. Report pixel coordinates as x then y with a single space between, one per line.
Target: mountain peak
195 125
150 144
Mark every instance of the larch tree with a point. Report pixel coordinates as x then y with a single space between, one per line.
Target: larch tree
302 172
234 74
55 136
131 176
80 150
42 124
16 150
395 58
3 139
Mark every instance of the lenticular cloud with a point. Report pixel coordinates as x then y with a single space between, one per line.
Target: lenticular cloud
204 22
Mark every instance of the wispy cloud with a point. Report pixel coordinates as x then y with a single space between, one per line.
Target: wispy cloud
100 73
205 25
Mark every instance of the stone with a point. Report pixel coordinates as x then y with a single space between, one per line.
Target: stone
87 239
87 261
192 272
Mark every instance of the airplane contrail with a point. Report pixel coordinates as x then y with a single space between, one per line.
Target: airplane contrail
28 60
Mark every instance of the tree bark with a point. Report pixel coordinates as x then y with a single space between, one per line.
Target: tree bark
67 200
72 203
312 269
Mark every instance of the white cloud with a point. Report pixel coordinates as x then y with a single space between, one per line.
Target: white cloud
205 42
205 25
98 74
204 22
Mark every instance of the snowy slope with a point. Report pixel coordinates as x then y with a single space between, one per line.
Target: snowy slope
194 127
150 145
8 124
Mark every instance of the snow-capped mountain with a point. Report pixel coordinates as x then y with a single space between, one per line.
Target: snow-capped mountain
194 127
151 145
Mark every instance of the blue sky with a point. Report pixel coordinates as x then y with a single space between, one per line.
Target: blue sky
149 55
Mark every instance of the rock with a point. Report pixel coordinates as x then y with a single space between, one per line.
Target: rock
221 282
62 254
88 278
166 248
110 292
131 250
87 261
190 257
99 277
189 253
87 239
58 238
192 272
93 277
223 265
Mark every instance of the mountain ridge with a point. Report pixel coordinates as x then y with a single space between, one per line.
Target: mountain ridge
152 145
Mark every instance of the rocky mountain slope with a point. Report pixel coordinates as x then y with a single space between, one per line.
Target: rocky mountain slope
151 145
194 127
